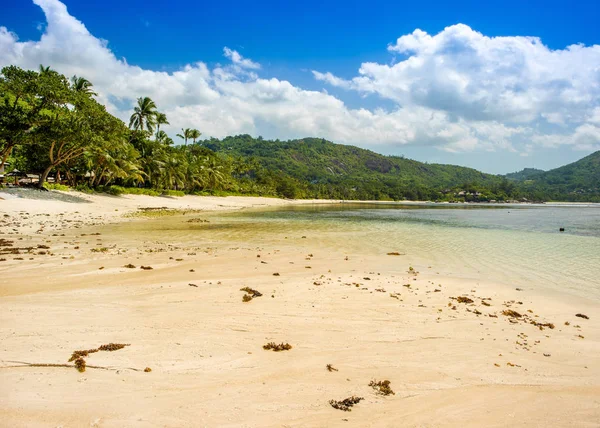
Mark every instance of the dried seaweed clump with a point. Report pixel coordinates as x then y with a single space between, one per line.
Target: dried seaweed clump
511 313
331 368
113 347
463 299
252 293
147 370
80 364
129 266
277 347
345 404
146 267
382 387
78 354
394 253
585 317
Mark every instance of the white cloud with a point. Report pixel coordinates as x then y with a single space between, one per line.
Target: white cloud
458 90
239 60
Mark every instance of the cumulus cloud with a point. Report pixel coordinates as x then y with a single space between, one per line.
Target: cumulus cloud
458 90
514 81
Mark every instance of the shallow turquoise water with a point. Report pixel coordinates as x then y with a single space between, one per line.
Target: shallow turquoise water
519 246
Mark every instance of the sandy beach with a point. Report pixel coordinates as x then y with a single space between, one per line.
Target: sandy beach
457 351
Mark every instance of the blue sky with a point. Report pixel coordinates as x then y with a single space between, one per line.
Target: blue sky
289 40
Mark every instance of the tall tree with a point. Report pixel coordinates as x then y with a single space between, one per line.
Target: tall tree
81 84
144 115
185 135
195 134
161 119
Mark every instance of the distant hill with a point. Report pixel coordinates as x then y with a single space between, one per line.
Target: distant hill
314 167
354 172
526 174
576 181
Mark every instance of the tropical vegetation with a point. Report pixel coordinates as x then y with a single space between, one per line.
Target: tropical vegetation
54 127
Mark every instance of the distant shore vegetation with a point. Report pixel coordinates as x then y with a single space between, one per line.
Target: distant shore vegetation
53 126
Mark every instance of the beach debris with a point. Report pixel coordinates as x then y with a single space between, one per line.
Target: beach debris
80 365
147 370
197 220
77 356
146 267
129 266
192 285
252 293
395 253
346 403
462 299
331 368
277 347
585 317
542 325
511 313
113 347
412 271
382 387
276 274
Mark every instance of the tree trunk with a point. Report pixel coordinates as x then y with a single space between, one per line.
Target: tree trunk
44 176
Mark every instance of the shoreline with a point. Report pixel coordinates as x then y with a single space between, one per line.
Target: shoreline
450 363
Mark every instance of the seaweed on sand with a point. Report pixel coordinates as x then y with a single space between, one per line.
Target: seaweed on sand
345 404
382 387
277 347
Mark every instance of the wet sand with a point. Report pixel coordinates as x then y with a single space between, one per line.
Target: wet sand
450 362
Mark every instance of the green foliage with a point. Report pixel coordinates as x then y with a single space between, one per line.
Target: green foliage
52 125
578 181
57 186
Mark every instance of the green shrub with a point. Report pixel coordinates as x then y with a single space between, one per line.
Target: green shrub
57 186
173 193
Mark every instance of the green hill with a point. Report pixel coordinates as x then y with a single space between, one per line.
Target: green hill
578 181
335 170
525 174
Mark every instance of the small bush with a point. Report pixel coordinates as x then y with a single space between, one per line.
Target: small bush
57 186
173 193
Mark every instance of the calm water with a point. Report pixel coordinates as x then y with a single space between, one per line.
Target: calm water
516 245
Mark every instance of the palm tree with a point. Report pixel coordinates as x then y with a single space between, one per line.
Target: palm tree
81 84
163 138
45 70
213 173
195 134
161 119
186 134
144 115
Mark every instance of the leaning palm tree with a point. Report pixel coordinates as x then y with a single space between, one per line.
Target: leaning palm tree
161 119
144 115
186 134
81 84
194 134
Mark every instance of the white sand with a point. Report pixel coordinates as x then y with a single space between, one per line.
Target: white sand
204 345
